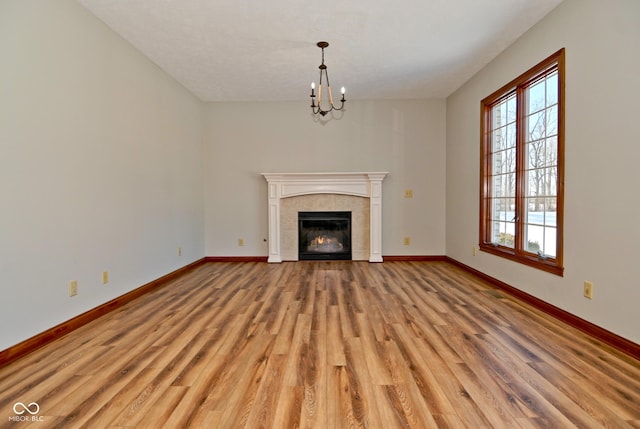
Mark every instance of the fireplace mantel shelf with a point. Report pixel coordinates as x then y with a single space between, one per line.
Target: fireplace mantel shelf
362 184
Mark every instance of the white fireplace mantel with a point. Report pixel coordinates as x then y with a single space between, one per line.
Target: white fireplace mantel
362 184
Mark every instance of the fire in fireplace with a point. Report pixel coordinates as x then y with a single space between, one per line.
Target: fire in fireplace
324 235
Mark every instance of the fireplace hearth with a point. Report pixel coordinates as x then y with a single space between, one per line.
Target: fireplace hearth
324 235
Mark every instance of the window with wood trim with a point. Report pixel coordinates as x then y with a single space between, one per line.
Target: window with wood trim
522 167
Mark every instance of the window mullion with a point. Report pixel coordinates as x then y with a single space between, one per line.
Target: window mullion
521 184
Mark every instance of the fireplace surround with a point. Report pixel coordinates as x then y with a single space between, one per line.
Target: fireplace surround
359 184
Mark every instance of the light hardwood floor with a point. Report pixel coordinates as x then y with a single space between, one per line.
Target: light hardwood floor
328 344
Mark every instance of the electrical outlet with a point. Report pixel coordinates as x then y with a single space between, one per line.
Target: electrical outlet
475 251
105 277
179 251
408 193
240 241
588 290
73 288
407 241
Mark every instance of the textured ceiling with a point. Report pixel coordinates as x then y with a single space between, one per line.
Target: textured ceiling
240 50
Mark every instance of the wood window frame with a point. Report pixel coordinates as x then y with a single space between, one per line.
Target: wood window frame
519 85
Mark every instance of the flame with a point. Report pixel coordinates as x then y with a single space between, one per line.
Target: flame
322 241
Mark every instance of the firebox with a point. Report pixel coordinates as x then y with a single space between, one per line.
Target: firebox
324 235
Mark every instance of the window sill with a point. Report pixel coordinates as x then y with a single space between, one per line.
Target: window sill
549 265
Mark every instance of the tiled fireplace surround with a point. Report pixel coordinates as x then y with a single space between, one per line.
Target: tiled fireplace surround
360 193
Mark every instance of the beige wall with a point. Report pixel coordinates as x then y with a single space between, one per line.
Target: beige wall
405 138
602 207
100 167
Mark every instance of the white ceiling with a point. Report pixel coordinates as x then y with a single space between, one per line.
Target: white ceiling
241 50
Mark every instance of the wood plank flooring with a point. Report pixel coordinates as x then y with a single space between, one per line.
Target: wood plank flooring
324 344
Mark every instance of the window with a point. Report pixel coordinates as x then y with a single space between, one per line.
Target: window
522 168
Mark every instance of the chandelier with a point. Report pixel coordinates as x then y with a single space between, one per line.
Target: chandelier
328 104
